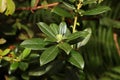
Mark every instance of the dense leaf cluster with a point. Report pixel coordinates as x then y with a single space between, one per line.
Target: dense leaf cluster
57 40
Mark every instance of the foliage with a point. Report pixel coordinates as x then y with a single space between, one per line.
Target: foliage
52 38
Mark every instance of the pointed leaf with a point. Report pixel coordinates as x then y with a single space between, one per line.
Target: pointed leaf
72 7
76 59
14 66
61 12
2 6
48 55
46 30
98 10
89 2
62 28
34 44
54 28
25 53
66 47
77 37
10 7
82 43
7 58
5 52
39 72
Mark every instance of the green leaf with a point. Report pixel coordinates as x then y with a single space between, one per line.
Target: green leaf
2 6
48 55
44 3
33 56
2 41
34 44
33 2
72 7
89 2
82 43
5 52
7 58
27 29
61 12
76 59
25 53
10 7
54 28
77 37
66 47
98 10
46 30
23 66
25 76
14 66
62 28
40 71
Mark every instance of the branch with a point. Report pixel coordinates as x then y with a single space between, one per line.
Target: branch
38 7
116 43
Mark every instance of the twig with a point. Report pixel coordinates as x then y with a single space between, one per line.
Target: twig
38 7
36 3
116 43
76 17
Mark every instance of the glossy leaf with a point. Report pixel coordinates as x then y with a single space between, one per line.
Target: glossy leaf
5 52
82 43
23 66
98 10
77 37
59 37
72 7
65 47
2 5
37 72
34 44
48 55
46 30
33 56
10 7
76 59
62 28
54 28
14 66
61 12
25 53
40 71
